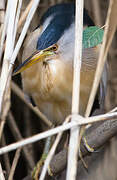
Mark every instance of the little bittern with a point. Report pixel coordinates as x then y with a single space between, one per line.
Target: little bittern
49 53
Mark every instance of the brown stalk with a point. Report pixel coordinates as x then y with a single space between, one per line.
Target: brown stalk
14 164
5 156
17 135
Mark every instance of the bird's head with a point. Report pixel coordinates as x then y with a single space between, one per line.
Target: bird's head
37 56
57 36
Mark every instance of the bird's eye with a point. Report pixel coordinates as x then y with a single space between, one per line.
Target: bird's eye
52 48
55 47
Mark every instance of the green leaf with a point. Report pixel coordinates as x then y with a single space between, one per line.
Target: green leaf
92 36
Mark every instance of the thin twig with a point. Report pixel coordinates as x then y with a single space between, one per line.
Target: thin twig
17 135
4 29
74 133
5 111
5 156
49 157
2 123
37 137
17 19
24 31
79 121
27 123
25 13
51 153
14 164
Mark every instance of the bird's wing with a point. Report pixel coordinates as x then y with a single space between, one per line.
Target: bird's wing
103 86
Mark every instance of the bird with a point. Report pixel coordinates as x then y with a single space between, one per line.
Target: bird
47 63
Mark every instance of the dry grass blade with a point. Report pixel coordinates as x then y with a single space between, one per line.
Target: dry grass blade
13 14
24 31
6 70
49 157
3 28
2 14
6 156
38 137
17 19
22 19
74 133
6 109
2 123
79 121
8 51
14 164
25 13
5 94
17 135
110 28
10 37
1 173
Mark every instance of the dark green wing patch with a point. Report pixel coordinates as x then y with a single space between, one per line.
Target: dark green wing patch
92 36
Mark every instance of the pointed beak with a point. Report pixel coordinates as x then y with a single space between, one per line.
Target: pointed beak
38 56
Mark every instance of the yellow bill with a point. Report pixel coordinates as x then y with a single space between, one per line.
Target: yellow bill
38 56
